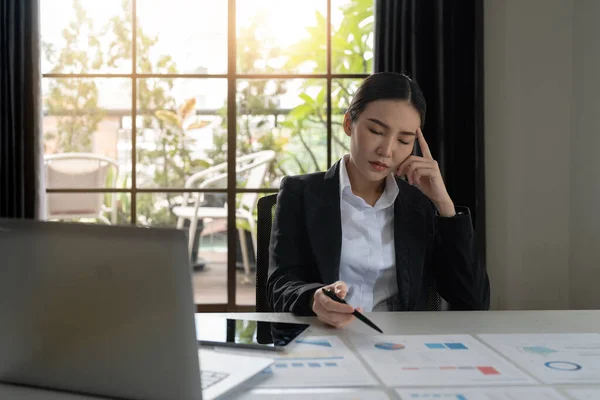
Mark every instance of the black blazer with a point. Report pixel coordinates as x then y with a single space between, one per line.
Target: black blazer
306 241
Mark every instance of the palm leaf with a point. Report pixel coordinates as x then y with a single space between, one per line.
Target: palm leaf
187 108
197 125
168 117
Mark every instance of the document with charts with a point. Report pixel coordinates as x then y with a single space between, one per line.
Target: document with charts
583 393
492 393
436 360
311 394
313 361
552 357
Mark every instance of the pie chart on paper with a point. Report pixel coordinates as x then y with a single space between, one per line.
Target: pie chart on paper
389 346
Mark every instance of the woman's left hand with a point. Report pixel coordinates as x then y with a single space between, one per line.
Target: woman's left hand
424 173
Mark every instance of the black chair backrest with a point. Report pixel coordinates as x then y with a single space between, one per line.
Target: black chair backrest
264 223
434 301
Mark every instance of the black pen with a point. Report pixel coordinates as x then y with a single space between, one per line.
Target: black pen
334 297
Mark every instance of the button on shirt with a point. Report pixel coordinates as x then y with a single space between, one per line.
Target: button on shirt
367 261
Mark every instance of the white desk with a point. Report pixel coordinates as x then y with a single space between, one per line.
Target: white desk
402 323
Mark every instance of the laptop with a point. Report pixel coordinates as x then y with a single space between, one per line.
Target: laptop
105 310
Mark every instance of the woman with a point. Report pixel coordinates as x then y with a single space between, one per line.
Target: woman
377 240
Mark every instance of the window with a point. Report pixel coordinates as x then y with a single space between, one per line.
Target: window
141 96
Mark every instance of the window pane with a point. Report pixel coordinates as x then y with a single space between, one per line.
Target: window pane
86 116
284 116
83 36
277 36
182 36
209 239
342 91
352 36
181 131
102 208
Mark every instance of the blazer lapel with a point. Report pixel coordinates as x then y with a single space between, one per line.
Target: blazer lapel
324 227
410 250
324 224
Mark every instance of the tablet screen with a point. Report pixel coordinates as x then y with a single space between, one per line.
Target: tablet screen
221 331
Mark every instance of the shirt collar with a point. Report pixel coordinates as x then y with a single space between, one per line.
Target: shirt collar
389 193
344 179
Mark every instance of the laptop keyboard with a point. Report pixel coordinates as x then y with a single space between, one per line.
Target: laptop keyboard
209 378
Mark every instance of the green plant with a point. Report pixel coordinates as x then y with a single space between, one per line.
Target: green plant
298 137
175 148
352 53
152 94
74 101
258 101
300 134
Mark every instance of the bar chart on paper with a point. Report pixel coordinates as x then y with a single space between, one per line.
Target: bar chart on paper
553 358
436 360
316 361
492 393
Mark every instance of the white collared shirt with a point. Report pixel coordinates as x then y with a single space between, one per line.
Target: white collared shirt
368 262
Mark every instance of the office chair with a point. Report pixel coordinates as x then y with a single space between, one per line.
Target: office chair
256 166
264 223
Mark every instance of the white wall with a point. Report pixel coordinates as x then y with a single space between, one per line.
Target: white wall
528 124
585 157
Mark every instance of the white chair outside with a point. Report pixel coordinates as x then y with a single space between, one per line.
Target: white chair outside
256 166
80 171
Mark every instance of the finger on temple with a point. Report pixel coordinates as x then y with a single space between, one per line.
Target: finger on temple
424 146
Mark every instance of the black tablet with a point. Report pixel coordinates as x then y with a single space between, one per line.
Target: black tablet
244 333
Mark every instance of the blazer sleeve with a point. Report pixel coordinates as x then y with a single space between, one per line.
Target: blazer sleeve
289 283
461 278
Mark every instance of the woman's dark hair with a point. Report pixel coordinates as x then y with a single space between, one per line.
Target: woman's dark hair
387 86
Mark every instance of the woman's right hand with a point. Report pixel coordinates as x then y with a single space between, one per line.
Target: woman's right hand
329 311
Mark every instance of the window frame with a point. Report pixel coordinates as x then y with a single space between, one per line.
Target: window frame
232 77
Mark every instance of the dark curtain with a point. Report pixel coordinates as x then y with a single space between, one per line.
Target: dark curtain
20 110
439 43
